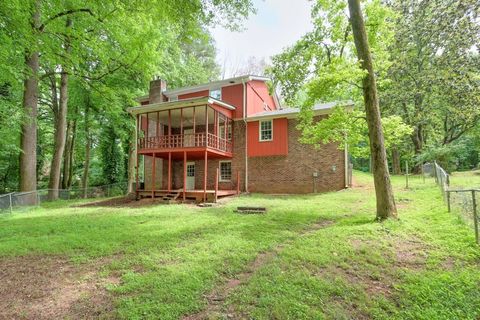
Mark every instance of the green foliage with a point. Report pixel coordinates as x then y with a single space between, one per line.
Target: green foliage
116 47
348 128
166 258
112 157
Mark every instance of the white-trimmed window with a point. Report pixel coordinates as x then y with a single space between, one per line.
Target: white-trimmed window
266 130
225 171
221 129
216 93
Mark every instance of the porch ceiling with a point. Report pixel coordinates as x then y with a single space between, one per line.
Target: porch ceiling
191 154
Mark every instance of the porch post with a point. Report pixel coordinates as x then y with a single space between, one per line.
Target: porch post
169 128
146 132
137 184
194 120
206 125
169 172
205 178
153 175
184 174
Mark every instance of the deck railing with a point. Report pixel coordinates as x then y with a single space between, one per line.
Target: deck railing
188 140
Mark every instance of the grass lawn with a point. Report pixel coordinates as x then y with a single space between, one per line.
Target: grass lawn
466 179
309 257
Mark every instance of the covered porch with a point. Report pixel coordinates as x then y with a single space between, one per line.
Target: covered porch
191 125
202 176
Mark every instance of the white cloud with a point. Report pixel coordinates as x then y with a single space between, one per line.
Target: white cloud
277 24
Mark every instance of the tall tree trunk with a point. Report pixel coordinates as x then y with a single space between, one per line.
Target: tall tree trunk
72 153
86 165
68 153
396 168
417 139
383 189
60 128
28 138
132 159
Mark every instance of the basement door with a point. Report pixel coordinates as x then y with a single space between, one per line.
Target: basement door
190 175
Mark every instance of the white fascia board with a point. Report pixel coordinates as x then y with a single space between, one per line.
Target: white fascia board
178 104
292 113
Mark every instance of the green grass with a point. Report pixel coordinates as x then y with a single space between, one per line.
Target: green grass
466 179
422 266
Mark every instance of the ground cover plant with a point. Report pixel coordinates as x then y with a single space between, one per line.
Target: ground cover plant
310 256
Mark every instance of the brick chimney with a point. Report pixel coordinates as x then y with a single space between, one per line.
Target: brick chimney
157 87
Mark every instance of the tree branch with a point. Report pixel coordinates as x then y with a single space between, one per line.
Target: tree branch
64 13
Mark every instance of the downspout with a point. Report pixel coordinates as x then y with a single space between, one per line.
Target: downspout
246 132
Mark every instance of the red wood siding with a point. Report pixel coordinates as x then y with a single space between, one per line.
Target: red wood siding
234 95
277 147
257 93
197 94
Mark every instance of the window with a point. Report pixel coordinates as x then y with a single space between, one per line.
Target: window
225 170
173 98
216 93
191 170
266 130
229 132
221 129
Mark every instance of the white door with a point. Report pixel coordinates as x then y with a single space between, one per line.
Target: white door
189 139
190 175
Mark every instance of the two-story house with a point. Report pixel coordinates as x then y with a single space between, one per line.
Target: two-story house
226 137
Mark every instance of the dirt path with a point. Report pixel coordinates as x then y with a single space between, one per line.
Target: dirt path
51 287
219 294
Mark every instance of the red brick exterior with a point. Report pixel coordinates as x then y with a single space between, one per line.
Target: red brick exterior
281 166
293 173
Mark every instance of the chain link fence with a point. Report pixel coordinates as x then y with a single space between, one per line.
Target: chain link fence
10 201
461 201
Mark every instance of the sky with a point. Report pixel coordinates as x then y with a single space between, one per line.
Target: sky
276 25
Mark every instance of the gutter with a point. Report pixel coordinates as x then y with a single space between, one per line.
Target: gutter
346 164
246 132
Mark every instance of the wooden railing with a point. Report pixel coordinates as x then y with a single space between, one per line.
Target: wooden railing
186 141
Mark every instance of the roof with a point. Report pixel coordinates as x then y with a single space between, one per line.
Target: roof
321 108
214 85
179 104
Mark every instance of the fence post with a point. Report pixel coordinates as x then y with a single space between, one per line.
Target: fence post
11 206
475 218
448 200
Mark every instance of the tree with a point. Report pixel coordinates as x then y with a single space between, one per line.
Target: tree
28 138
433 76
322 67
89 41
383 189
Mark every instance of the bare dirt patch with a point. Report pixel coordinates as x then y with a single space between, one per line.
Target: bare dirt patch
220 293
410 253
51 287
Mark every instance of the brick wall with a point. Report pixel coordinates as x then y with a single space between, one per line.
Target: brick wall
294 173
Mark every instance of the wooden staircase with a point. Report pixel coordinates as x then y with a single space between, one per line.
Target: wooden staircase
170 197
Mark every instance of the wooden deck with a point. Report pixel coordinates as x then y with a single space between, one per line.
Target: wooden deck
197 195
